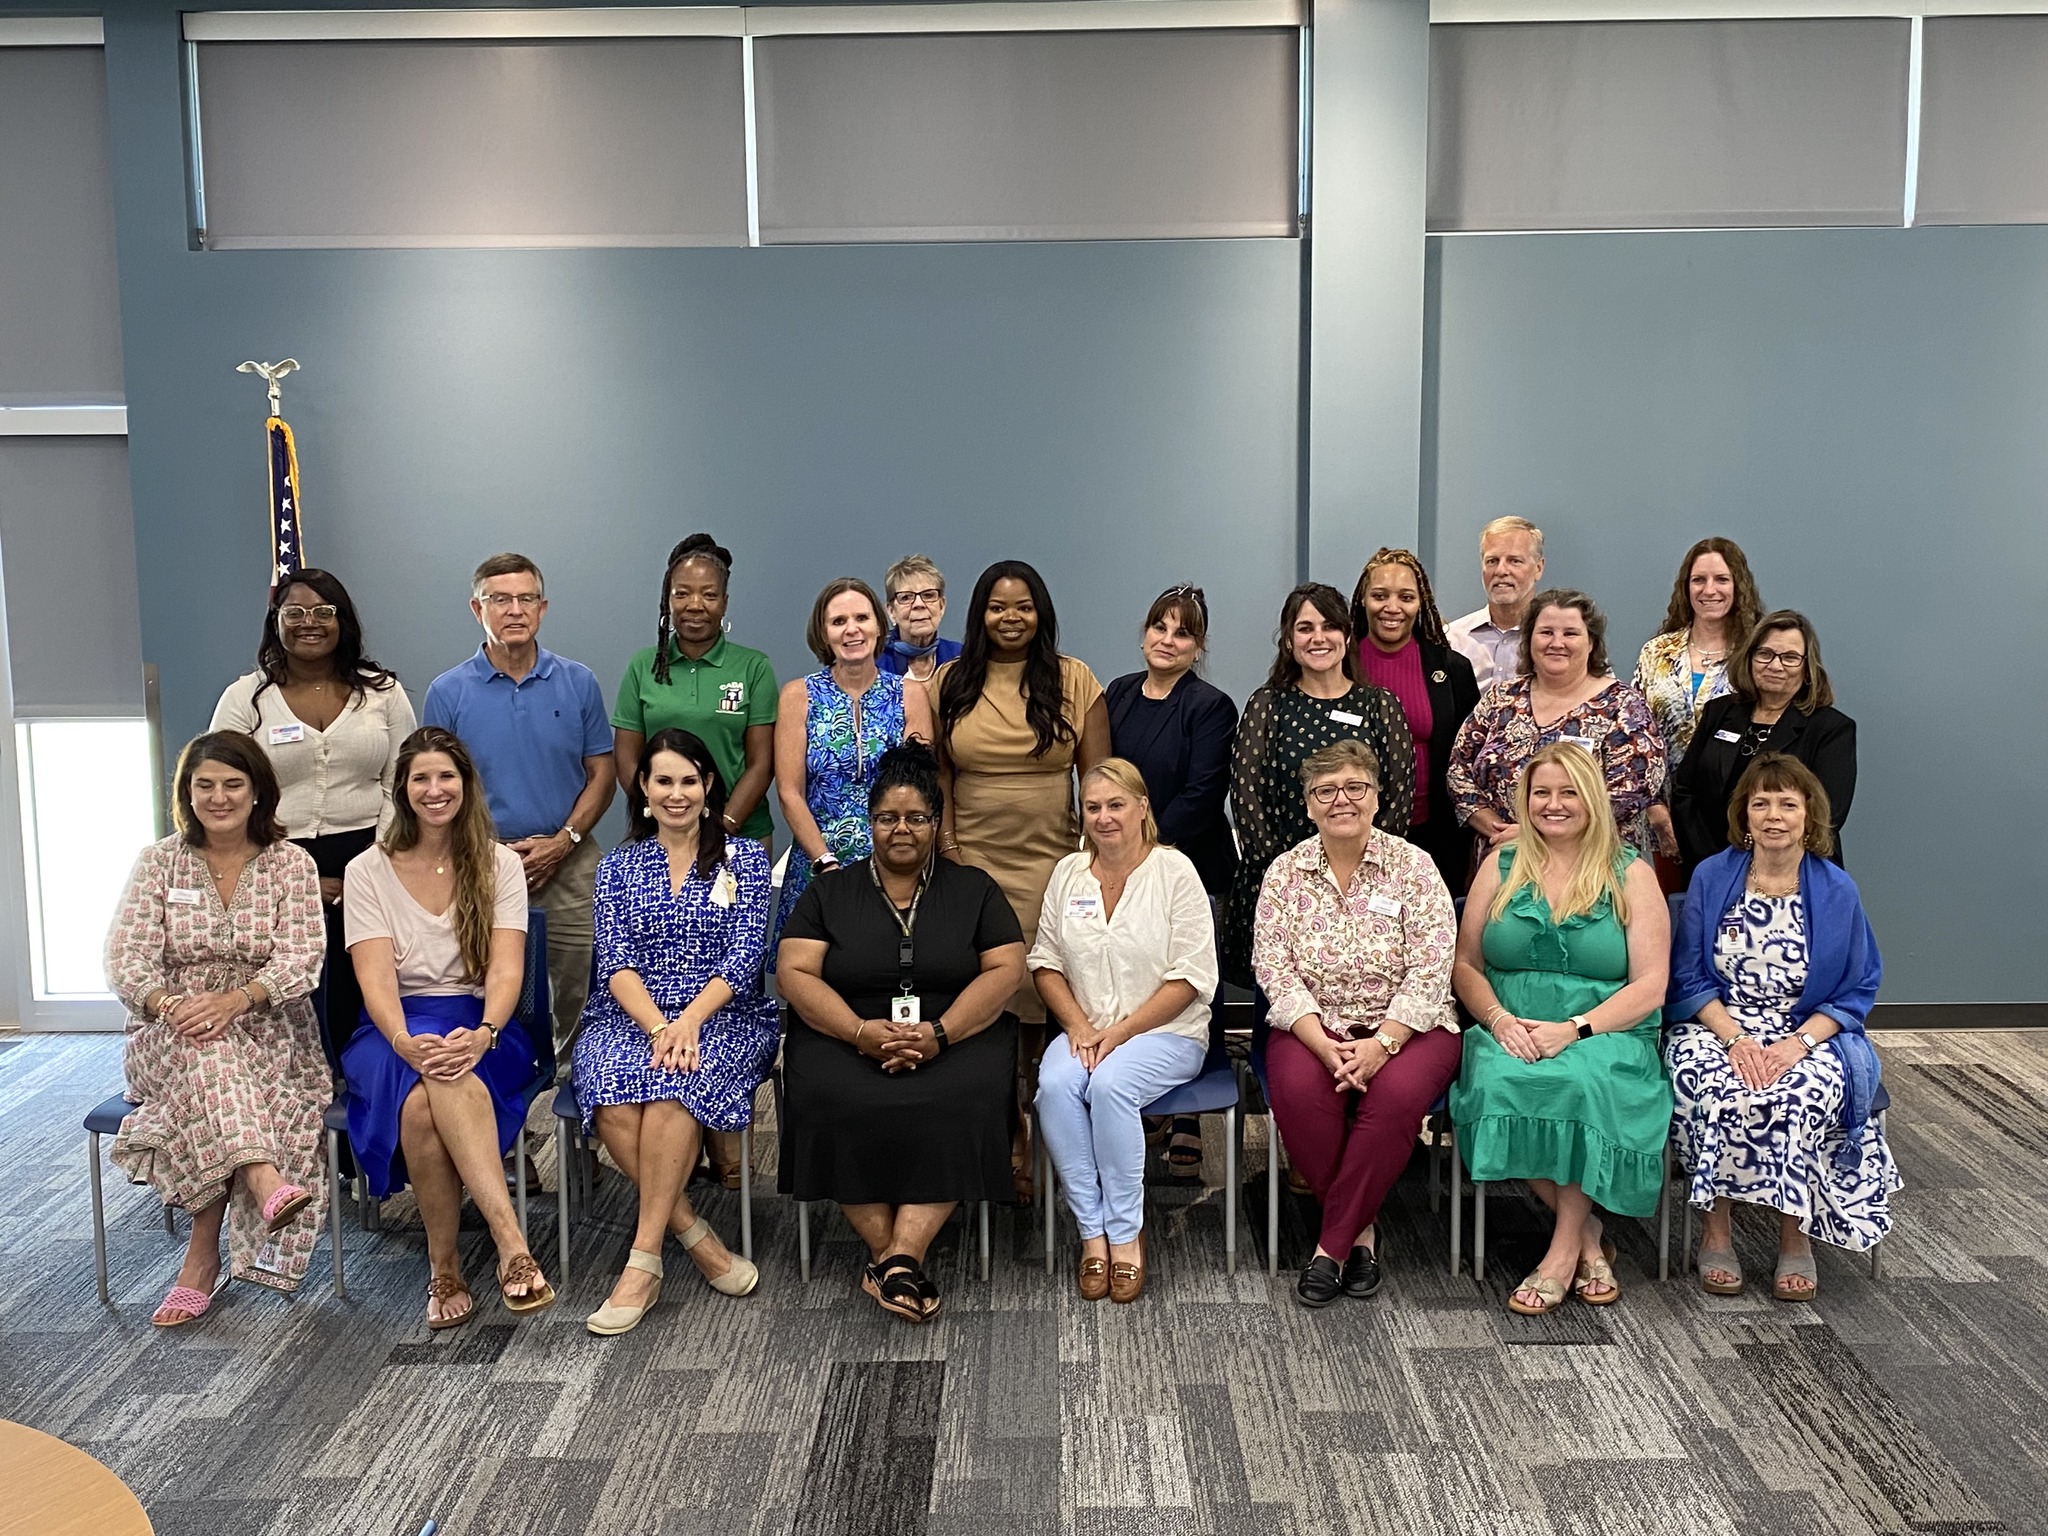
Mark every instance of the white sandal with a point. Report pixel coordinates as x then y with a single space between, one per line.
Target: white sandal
740 1277
610 1320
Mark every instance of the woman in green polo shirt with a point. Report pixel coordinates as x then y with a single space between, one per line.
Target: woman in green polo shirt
695 679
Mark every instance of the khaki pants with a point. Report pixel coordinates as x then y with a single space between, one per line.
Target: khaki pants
566 899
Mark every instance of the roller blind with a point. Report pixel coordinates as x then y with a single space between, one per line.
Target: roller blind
1984 121
578 142
60 331
67 553
1667 124
1028 136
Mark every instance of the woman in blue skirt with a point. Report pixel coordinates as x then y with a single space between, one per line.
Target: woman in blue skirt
435 917
677 1035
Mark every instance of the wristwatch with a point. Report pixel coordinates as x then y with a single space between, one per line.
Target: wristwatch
939 1033
1388 1043
575 837
1809 1042
1578 1022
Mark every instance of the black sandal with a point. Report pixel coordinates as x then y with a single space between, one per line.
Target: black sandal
927 1295
1184 1147
892 1281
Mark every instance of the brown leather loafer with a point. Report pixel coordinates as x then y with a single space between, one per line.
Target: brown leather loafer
1127 1281
1092 1278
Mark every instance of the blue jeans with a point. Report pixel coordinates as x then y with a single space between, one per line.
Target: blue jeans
1092 1126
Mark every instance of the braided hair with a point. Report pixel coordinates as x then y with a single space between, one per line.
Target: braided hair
1429 623
698 546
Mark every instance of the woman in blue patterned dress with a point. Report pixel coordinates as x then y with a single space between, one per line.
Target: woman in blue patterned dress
1773 973
677 1034
832 728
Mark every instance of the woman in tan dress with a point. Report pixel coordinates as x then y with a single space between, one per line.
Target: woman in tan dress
214 953
1017 721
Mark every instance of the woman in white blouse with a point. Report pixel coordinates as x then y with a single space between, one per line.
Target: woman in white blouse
1125 960
330 720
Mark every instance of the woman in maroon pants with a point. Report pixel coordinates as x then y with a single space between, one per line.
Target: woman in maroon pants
1352 943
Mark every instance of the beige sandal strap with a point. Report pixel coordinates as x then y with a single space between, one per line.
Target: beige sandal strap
647 1263
694 1234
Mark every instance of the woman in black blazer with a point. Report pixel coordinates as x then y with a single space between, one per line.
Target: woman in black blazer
1782 702
1401 648
1178 730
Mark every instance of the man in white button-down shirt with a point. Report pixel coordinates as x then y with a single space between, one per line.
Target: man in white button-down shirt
1511 566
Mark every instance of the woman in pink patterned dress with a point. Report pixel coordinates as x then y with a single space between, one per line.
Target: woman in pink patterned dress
215 952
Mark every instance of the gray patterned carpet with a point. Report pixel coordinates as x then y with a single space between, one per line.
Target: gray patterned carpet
1916 1403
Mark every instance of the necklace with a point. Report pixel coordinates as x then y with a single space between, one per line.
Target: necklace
1758 887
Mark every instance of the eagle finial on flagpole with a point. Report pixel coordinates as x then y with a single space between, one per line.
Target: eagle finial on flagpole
272 374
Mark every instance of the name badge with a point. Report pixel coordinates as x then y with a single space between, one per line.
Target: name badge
907 1009
724 889
178 896
1345 717
1582 741
1735 736
1386 906
285 735
1084 907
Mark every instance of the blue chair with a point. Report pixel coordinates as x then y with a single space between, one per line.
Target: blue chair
105 1119
535 1015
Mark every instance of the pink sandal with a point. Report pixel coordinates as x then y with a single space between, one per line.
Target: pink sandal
181 1306
284 1204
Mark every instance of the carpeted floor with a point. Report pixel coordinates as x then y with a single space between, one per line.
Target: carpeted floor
1915 1403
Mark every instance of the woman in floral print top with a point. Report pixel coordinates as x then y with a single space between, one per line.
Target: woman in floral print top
215 952
1565 693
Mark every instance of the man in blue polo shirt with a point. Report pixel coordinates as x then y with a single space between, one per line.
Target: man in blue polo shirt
536 725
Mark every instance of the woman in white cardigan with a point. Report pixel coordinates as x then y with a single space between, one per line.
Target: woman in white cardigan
330 721
1125 959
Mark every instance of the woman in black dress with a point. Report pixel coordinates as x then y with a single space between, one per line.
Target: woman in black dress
1783 702
899 1095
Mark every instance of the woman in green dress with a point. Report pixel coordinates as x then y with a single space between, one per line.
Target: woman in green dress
1563 956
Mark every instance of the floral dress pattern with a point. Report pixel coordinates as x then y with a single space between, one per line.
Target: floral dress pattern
675 942
1782 1146
257 1093
1664 677
843 739
1280 728
1501 735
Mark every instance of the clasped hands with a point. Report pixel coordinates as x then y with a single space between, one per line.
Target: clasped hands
1760 1065
674 1047
207 1015
1091 1045
898 1047
1354 1063
1531 1040
444 1058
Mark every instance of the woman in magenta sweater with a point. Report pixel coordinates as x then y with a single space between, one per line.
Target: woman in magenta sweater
1401 648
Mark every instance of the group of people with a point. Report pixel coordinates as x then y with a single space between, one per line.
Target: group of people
1010 900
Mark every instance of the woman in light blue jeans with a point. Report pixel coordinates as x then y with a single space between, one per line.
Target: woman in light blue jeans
1125 960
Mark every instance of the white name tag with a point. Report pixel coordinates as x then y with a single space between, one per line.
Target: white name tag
1345 717
285 735
1386 906
1084 907
1728 736
178 896
1582 741
906 1010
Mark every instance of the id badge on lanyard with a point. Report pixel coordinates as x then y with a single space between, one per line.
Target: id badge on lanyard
906 1007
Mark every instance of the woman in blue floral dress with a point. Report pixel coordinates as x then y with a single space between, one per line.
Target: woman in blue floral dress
832 728
677 1034
1773 974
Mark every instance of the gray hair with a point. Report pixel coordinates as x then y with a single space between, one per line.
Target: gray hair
1502 525
907 567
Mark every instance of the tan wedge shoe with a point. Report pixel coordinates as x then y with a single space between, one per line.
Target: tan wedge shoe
740 1277
608 1321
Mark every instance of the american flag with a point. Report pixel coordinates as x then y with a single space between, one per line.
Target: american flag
287 538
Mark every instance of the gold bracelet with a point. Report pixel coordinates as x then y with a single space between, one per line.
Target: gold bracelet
864 1023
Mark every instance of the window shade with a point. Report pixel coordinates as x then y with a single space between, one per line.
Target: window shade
1667 124
60 324
1028 136
67 552
1983 121
638 141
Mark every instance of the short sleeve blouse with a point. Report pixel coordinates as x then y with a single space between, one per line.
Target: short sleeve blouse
376 905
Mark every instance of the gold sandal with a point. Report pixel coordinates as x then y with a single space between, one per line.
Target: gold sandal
1548 1290
1598 1271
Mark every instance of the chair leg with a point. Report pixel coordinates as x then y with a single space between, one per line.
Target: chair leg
1046 1180
1457 1207
1685 1238
747 1193
1230 1190
562 1192
803 1239
519 1151
334 1229
1478 1231
170 1222
984 1242
1664 1218
1272 1195
99 1214
1876 1262
1436 1168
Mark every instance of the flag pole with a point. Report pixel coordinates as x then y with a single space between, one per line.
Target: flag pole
287 537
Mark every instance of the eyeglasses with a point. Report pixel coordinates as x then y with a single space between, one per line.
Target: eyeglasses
930 597
1789 661
889 821
1351 789
500 601
295 613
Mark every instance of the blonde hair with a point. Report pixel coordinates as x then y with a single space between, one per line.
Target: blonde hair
472 844
1123 773
1502 525
1596 872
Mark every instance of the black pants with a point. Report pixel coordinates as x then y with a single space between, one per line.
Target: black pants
338 1001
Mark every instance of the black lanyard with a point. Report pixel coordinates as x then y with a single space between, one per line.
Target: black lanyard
906 949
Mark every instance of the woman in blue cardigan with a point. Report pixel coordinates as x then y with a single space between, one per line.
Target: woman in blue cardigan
1773 971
